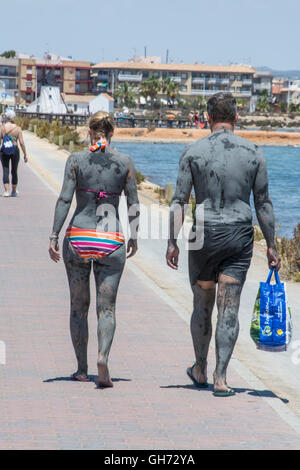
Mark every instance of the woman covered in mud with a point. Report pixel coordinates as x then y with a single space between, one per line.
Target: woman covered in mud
94 237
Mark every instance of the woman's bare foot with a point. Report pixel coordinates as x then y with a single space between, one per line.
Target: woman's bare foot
80 377
199 376
103 380
220 385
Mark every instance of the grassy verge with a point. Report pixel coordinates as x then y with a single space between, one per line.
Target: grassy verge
289 250
52 131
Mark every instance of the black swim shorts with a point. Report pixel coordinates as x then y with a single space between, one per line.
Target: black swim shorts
227 249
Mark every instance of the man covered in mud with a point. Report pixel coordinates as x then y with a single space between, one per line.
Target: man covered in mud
223 169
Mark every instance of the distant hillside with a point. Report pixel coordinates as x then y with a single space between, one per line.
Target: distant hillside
281 73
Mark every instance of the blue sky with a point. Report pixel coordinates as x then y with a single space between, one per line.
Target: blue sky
258 32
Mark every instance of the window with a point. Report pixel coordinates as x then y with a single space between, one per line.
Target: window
28 84
183 88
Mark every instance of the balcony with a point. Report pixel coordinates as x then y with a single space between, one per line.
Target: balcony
4 73
246 81
175 79
246 93
101 76
212 81
127 77
262 86
224 81
198 80
203 92
241 94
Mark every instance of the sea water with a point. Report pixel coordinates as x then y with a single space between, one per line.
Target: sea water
159 163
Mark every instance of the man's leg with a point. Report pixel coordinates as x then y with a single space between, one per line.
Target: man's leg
201 329
228 302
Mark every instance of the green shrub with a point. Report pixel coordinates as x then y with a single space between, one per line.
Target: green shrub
139 177
289 250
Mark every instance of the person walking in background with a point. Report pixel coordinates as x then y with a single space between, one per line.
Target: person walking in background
224 169
94 238
10 136
196 119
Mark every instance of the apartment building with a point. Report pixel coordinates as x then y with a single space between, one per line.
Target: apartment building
262 81
73 77
8 80
289 92
194 80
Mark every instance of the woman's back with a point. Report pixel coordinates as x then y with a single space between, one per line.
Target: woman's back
11 129
99 178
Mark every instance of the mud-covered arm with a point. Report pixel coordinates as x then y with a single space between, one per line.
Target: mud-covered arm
65 198
263 203
131 194
181 197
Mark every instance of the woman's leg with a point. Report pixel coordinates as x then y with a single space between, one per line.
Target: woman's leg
79 282
5 165
107 278
14 171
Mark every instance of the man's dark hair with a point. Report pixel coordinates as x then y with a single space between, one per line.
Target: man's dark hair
222 107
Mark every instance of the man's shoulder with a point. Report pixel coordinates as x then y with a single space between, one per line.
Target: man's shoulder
229 139
245 144
197 148
199 144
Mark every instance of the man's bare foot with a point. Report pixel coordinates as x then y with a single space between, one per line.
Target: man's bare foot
103 380
80 377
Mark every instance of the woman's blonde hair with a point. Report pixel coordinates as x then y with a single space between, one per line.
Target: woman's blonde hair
101 124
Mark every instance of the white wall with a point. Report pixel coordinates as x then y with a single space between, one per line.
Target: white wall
78 108
101 103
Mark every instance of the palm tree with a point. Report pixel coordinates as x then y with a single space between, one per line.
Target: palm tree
171 89
263 103
150 88
126 95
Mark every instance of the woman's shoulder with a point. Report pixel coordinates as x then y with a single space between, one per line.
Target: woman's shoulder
77 156
121 157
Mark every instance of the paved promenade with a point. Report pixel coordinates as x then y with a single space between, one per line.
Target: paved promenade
153 405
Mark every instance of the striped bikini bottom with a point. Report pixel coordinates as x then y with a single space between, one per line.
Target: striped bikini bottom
92 244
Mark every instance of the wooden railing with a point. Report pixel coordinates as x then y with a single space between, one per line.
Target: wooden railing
65 119
79 120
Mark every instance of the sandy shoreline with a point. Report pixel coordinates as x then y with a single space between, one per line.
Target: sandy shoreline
162 135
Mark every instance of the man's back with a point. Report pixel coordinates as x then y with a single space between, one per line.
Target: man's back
223 168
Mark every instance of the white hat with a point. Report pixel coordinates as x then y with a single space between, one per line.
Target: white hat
10 114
